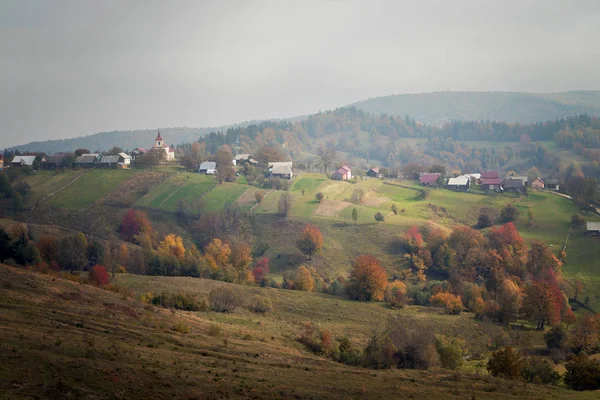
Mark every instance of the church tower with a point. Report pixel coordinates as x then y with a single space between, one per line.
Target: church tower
158 141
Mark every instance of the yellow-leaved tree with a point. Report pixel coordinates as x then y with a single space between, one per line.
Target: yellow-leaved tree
304 279
172 245
217 254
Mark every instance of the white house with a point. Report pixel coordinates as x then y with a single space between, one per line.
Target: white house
23 160
208 168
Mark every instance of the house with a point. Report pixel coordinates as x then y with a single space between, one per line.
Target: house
429 179
87 160
283 171
124 161
344 173
19 161
137 152
592 228
514 184
473 177
491 183
55 161
208 168
459 184
374 173
159 144
523 178
538 183
241 159
552 184
109 161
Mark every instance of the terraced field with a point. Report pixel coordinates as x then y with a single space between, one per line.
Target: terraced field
182 187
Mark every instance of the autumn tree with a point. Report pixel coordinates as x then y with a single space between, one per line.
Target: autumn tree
583 373
172 245
48 247
452 303
241 258
123 255
99 276
225 169
395 294
541 260
261 270
72 253
311 240
368 279
506 363
217 254
326 157
586 335
259 195
267 154
509 213
539 304
304 279
136 224
284 206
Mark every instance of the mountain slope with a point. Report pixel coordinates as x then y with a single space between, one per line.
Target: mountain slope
439 107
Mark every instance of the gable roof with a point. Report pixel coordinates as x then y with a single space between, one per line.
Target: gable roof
374 169
241 156
538 179
278 163
513 182
458 181
593 226
139 150
124 155
429 177
112 158
489 175
208 165
282 169
56 159
86 158
491 181
25 160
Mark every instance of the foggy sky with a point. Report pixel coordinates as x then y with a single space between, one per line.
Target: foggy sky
73 68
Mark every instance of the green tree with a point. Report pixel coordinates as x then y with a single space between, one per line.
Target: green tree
354 215
73 252
379 217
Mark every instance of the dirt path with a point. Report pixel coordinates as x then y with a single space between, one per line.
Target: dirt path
59 189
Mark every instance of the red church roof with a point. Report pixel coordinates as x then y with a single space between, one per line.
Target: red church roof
158 137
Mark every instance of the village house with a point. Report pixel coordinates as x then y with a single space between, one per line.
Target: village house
491 183
159 144
488 175
56 161
241 159
374 173
592 228
19 161
137 152
124 161
429 179
537 183
109 161
343 173
283 169
552 184
87 160
208 168
459 184
514 184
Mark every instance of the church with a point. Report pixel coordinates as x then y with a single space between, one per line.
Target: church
159 143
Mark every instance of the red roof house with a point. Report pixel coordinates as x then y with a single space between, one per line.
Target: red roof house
428 179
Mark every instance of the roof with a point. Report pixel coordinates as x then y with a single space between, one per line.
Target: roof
139 150
56 159
512 182
374 169
489 175
158 137
459 181
521 177
86 158
113 158
241 156
208 165
474 176
551 181
275 164
26 160
491 181
429 177
593 226
124 155
538 179
345 168
282 170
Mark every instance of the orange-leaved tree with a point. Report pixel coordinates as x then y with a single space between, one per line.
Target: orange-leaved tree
217 254
172 245
368 279
395 294
452 303
541 304
241 258
310 241
304 279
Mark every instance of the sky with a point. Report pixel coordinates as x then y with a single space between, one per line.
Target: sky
74 68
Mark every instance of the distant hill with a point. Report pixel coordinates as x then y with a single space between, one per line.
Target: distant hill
439 107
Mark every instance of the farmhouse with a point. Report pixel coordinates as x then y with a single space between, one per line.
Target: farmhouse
537 183
282 171
109 161
208 168
459 184
56 161
241 159
87 161
19 161
514 184
552 184
593 228
159 144
489 175
491 184
374 173
137 152
429 179
344 173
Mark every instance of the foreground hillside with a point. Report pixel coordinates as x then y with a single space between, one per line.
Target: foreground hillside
439 107
61 339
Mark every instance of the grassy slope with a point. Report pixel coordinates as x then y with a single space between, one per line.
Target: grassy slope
89 188
183 186
62 339
45 182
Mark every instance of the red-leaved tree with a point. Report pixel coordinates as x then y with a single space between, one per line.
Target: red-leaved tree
310 241
135 224
99 276
261 269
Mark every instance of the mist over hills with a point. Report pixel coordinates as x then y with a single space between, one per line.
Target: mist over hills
429 108
440 107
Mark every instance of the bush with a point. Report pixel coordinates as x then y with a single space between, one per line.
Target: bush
582 373
318 340
556 338
319 196
260 305
506 363
99 276
485 219
223 299
539 371
358 196
349 355
259 195
452 304
181 328
509 213
577 221
450 352
395 294
180 301
422 194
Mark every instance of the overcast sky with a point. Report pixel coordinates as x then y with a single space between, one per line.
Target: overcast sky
73 68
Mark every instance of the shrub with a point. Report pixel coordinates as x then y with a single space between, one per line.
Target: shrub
539 371
395 294
180 301
349 355
394 209
380 352
214 330
319 341
450 352
259 195
452 304
506 363
319 196
379 217
223 299
99 276
485 219
556 338
509 213
358 196
181 328
422 194
582 373
577 221
260 305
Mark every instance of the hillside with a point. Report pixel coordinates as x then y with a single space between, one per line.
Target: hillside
440 107
61 339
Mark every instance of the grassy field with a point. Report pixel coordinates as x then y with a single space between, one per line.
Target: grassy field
183 186
45 182
61 339
92 186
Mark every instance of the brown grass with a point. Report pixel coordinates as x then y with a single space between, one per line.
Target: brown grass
330 208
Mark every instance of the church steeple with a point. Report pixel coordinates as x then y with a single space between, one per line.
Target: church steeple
158 140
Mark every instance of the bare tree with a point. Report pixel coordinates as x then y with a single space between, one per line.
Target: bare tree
327 157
